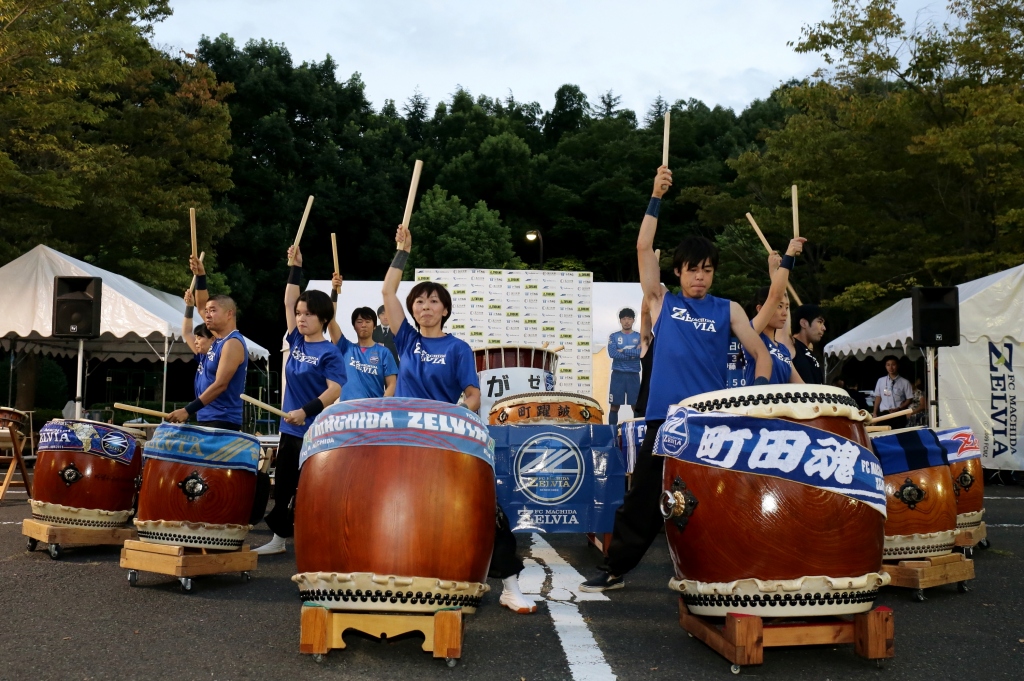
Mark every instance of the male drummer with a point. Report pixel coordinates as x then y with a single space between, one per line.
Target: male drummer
692 330
219 405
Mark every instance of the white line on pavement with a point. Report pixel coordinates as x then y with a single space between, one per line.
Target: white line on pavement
586 661
1002 525
1005 498
564 577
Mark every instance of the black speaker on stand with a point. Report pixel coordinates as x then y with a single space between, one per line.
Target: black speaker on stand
76 314
936 313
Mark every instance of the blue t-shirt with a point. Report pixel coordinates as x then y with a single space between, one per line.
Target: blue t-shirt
366 369
228 405
782 363
691 354
629 359
309 367
433 368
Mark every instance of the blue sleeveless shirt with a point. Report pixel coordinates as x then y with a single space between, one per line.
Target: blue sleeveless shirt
692 351
228 405
782 363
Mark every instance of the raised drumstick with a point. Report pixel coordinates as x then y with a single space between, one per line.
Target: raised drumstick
417 168
192 286
886 417
139 410
767 247
334 247
302 226
192 224
796 215
665 138
263 405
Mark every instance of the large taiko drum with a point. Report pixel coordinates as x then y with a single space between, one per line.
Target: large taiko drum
505 370
395 509
546 409
197 487
964 456
773 502
919 492
85 474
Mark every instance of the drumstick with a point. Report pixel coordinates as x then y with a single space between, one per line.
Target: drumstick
139 410
767 247
893 415
264 406
192 224
302 226
192 286
877 429
796 215
665 138
558 349
334 247
417 168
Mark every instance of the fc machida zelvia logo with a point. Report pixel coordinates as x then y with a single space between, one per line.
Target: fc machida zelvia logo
549 468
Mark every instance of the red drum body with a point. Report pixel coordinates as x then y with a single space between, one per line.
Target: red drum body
398 527
89 487
204 502
546 409
12 417
969 481
752 541
515 357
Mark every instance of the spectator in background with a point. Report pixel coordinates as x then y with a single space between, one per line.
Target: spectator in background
892 393
919 417
624 349
382 333
808 329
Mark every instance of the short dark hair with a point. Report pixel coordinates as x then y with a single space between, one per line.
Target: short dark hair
202 331
760 296
627 312
892 357
364 313
225 300
319 304
694 250
381 310
425 288
810 312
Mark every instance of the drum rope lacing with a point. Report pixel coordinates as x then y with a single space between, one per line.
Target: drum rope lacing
728 600
430 598
774 398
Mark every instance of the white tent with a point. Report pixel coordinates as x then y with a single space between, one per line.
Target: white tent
977 380
136 322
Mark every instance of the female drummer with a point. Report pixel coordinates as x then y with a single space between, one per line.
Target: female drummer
434 365
199 339
315 374
770 318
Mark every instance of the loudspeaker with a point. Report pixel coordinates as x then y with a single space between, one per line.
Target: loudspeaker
936 311
76 307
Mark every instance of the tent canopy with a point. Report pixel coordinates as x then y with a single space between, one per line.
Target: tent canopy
135 320
990 307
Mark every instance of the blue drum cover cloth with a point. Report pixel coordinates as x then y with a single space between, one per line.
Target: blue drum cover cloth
558 478
773 447
631 437
212 447
960 443
910 450
89 437
403 421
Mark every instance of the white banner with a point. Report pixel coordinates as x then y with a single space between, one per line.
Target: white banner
978 387
497 384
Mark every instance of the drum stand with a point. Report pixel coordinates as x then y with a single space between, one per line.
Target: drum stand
968 539
743 638
322 630
58 537
928 572
184 562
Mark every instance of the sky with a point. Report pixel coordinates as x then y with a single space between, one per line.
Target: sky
727 52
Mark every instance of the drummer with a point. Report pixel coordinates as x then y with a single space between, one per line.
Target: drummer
437 366
199 339
692 331
770 312
371 367
315 374
218 403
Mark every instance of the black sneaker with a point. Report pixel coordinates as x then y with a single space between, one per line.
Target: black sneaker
603 582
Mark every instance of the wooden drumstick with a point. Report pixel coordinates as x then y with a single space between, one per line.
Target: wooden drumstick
796 215
895 414
192 286
192 224
665 138
558 349
334 247
302 226
139 410
263 405
417 168
767 247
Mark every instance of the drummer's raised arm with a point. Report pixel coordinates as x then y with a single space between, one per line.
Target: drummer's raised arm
333 330
198 269
186 321
392 305
293 289
650 270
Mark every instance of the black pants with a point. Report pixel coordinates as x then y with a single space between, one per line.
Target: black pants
286 480
898 422
504 561
223 425
638 521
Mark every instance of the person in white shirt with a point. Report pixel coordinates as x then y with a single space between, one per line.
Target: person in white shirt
892 393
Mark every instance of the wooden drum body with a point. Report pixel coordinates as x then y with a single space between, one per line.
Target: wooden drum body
546 409
85 474
754 542
198 487
395 509
920 498
968 477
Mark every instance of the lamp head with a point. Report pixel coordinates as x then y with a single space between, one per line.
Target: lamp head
532 235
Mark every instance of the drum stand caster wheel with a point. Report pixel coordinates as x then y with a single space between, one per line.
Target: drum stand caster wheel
246 577
451 662
55 551
186 584
984 543
735 669
32 544
919 596
133 577
962 587
880 663
318 658
968 552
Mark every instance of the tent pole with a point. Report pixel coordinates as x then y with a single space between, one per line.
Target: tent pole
78 389
10 376
933 408
163 395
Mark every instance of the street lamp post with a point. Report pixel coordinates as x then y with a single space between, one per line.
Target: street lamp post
534 235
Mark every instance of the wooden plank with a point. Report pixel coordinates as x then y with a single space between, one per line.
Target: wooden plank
949 558
448 634
149 547
808 634
82 536
936 575
211 564
381 626
707 633
972 537
314 631
875 634
147 562
745 632
914 564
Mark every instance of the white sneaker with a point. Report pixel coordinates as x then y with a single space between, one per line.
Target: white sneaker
513 599
272 547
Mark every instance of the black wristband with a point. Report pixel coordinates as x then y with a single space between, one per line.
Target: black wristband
313 407
200 282
194 406
654 206
334 296
788 261
761 380
295 275
401 257
190 311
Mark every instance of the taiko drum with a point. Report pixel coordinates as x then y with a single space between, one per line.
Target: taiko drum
546 408
968 478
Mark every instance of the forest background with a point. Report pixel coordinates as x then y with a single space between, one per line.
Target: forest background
907 150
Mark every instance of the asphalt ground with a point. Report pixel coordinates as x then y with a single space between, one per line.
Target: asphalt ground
78 618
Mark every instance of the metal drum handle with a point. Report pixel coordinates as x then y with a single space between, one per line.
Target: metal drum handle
678 504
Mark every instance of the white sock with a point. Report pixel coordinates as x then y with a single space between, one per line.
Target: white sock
277 543
511 585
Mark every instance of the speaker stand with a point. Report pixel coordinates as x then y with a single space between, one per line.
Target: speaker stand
930 369
78 389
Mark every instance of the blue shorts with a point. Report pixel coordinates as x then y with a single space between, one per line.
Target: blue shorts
624 388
